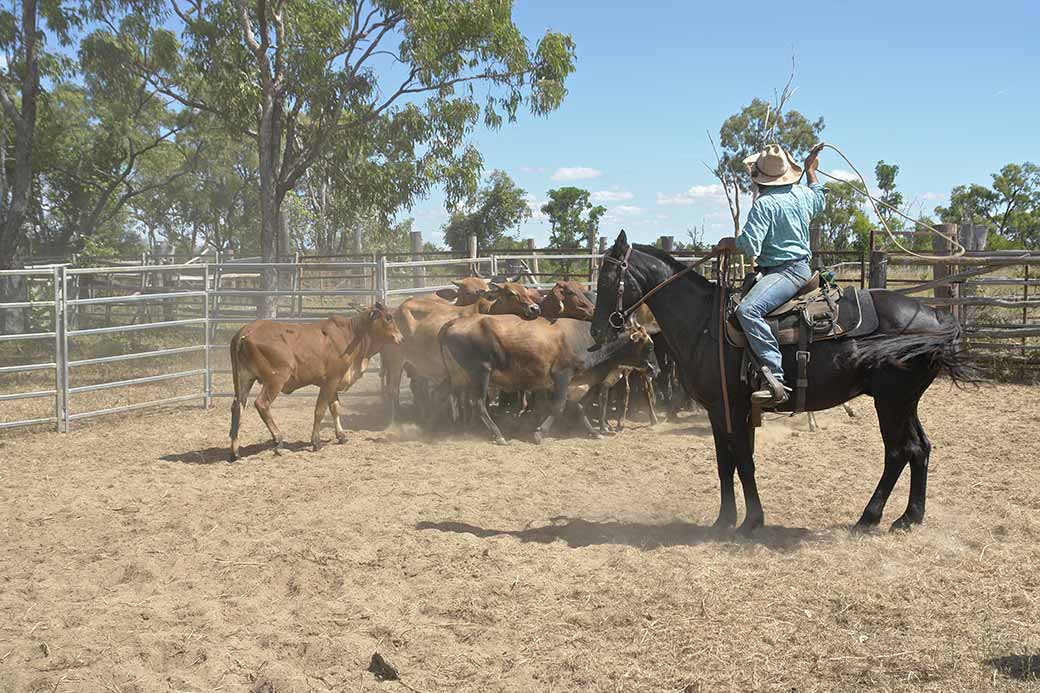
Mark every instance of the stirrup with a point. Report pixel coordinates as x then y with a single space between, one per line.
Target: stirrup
773 394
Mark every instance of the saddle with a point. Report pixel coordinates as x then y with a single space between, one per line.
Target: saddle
819 311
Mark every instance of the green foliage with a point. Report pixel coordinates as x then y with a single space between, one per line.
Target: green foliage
572 220
1011 208
497 207
842 225
747 132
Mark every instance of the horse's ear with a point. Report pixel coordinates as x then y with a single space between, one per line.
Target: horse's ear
621 243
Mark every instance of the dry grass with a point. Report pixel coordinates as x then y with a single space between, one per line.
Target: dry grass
135 559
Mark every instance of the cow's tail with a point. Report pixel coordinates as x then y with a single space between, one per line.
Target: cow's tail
241 396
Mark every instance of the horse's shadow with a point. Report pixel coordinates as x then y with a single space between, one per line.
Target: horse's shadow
579 533
1024 667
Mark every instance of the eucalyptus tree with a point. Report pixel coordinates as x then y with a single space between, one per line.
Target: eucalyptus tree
296 76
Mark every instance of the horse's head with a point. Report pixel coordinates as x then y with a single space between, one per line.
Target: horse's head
619 287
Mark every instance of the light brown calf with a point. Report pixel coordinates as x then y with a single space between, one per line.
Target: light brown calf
284 357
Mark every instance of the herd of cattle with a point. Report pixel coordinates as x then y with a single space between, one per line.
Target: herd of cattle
458 346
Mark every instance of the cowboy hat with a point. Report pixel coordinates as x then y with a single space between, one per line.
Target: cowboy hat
773 166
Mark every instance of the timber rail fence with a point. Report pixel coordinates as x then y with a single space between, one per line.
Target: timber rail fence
98 341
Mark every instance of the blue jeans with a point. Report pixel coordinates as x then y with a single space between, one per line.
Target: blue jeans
776 287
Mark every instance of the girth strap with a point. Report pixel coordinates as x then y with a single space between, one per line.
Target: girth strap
802 356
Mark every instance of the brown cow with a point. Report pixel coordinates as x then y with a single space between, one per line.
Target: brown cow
466 292
420 321
567 300
482 351
332 354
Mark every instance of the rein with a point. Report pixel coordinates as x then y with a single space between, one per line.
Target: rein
620 314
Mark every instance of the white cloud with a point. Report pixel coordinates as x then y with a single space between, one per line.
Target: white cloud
931 196
535 206
712 191
842 174
532 169
628 209
614 195
575 173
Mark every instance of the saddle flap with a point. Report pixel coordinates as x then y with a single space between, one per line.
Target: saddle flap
828 313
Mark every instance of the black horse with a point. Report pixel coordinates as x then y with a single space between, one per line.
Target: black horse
912 345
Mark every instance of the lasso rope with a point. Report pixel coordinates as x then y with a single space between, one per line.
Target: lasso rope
874 203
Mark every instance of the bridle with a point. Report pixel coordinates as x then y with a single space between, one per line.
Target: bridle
621 315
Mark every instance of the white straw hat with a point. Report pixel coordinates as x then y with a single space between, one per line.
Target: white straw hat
773 166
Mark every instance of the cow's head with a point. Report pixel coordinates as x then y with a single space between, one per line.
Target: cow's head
567 300
512 298
645 356
382 324
466 292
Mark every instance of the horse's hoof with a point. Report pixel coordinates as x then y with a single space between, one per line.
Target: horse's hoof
724 522
903 524
750 524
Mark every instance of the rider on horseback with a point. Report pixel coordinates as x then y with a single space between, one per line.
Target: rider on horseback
777 234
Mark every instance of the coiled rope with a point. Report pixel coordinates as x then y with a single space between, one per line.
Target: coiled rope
875 202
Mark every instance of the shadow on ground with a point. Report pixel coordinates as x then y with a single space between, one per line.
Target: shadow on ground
1023 667
222 454
577 533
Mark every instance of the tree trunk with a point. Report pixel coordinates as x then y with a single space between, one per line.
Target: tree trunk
23 118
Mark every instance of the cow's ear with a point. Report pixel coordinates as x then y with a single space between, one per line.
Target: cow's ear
373 314
448 294
494 287
458 282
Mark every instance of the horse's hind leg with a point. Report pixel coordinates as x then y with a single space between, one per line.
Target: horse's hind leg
899 429
919 453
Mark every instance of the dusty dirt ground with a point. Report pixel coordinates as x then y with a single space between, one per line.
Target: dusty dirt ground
134 558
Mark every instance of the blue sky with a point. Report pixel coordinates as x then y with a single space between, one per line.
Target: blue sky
949 91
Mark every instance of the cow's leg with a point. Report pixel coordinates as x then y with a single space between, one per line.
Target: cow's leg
263 406
556 405
326 396
483 381
623 413
648 388
604 402
590 430
246 381
393 363
336 409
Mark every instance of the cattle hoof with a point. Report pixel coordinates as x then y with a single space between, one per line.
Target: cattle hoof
501 441
538 438
596 436
341 439
315 447
278 449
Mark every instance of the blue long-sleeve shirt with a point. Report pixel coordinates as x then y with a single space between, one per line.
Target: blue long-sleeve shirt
777 227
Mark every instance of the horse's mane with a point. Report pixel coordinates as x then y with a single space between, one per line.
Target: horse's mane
671 262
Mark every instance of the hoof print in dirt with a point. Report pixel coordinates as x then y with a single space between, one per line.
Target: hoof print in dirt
383 670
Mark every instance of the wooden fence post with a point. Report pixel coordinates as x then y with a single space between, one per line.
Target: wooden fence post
590 246
668 244
941 245
418 273
602 245
534 261
471 244
878 269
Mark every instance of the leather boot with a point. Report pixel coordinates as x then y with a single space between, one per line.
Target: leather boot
773 394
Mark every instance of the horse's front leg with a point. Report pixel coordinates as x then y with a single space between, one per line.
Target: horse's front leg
724 463
742 443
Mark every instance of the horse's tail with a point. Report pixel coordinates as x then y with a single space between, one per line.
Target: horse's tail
942 348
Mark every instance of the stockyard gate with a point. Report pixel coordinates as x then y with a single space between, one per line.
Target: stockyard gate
137 558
